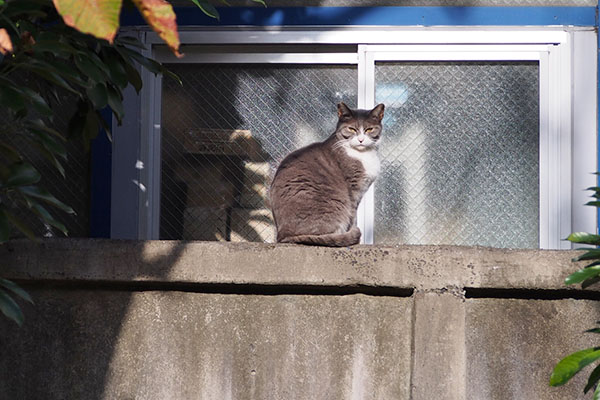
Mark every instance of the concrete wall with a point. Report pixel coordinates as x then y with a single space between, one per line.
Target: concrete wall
200 320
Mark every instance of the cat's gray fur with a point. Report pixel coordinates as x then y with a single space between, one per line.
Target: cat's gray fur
316 189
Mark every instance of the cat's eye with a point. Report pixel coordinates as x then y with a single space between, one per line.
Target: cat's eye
352 129
369 130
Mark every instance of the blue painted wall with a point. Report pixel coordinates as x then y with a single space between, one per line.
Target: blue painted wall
391 16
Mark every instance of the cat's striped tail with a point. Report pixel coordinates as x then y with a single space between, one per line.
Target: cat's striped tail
330 239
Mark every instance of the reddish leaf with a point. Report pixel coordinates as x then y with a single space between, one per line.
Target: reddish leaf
160 16
5 42
96 17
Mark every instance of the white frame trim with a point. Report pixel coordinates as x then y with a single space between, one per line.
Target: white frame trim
568 101
372 35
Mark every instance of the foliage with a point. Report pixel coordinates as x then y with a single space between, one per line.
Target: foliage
43 63
587 276
101 17
70 50
210 10
8 306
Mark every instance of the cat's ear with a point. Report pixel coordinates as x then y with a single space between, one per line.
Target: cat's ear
343 111
377 112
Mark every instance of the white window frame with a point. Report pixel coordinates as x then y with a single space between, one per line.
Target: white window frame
568 104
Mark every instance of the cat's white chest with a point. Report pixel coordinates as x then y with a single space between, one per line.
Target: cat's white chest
369 160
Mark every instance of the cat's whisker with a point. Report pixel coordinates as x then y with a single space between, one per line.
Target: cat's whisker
340 144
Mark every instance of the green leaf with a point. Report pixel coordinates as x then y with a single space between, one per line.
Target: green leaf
51 77
582 275
16 289
149 64
129 41
21 174
17 223
594 188
65 70
115 102
90 129
48 155
207 8
114 61
173 76
593 379
90 68
53 46
597 393
49 219
12 98
134 77
37 102
10 308
105 125
593 254
593 203
49 143
260 2
100 63
42 194
77 121
98 95
572 364
38 126
584 238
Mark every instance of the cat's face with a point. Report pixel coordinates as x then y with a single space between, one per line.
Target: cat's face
359 129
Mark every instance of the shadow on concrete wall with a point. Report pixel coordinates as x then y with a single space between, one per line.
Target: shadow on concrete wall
73 327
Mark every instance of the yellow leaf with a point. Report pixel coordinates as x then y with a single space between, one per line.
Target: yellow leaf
96 17
5 42
160 16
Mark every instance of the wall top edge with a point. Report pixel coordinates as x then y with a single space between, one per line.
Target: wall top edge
420 267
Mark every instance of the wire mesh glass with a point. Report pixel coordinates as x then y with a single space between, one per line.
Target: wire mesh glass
460 158
224 133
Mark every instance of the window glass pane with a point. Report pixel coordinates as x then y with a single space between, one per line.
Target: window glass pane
224 133
459 153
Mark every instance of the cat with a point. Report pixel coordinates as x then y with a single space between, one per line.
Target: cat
316 189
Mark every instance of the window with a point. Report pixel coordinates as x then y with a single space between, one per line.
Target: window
224 133
486 143
460 159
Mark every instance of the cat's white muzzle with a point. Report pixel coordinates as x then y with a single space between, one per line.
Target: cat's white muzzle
361 143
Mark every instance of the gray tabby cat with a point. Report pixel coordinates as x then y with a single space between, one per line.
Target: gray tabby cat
316 189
